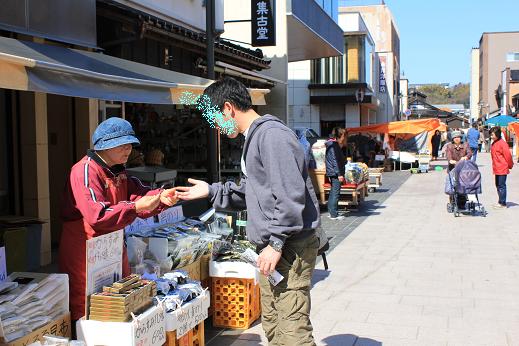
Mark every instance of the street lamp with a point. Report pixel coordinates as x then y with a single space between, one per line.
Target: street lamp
359 96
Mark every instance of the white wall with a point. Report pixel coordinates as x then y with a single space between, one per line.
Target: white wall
474 84
300 111
187 12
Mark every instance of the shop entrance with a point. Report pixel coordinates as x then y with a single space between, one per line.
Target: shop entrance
327 127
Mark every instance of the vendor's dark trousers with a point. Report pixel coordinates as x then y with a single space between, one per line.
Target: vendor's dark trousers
333 198
285 308
501 188
474 154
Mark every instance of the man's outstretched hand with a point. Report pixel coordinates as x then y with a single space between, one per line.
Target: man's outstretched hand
200 189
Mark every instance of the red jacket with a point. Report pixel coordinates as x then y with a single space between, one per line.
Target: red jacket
502 161
98 200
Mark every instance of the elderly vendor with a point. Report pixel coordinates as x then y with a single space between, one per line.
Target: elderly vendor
101 198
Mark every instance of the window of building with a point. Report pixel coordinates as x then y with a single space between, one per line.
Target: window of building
511 57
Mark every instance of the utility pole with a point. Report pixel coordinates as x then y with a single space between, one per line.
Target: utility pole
213 151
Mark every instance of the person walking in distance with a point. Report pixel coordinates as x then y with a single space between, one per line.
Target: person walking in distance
455 152
282 209
335 169
473 140
435 142
502 163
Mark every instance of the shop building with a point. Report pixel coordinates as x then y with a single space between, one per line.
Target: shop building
474 85
304 30
383 28
59 79
497 52
336 91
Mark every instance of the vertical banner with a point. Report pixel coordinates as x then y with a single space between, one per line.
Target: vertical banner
263 22
103 262
382 86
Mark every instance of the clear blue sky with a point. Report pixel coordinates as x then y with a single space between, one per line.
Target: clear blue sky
436 36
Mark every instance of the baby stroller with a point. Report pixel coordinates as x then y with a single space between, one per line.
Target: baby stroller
464 180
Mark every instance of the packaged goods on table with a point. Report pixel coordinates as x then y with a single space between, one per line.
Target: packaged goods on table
118 302
29 301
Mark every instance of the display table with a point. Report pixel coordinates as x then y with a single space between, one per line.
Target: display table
352 194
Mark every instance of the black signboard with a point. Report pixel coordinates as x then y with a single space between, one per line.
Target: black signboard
263 23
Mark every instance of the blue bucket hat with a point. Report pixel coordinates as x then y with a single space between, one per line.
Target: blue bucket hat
113 132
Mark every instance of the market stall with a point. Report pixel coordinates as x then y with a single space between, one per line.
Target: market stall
513 127
405 138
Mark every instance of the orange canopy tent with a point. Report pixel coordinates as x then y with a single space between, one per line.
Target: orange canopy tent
401 127
404 129
514 128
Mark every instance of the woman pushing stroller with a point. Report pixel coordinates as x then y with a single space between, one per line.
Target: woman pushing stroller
457 151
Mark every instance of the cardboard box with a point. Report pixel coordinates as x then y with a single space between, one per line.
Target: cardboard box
204 267
240 270
59 327
193 270
148 329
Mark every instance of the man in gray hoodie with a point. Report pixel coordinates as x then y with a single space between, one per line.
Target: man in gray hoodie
282 211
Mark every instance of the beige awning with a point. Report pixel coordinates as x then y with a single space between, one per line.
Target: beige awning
51 69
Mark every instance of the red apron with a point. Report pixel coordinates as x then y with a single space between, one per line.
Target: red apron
72 249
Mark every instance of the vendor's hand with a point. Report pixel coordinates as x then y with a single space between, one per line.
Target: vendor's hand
169 197
200 189
453 162
268 260
464 158
147 203
341 179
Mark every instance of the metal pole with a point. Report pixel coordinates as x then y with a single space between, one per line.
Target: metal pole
212 134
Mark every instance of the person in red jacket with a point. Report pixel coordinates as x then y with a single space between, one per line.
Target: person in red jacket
100 198
502 163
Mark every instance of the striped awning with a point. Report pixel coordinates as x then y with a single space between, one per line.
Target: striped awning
57 70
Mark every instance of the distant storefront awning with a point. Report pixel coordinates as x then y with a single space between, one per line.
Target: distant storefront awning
57 70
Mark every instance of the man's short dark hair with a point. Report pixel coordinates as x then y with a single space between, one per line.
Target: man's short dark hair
497 131
229 90
475 125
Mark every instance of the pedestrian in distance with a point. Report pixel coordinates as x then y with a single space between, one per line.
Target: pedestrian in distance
457 151
473 137
282 210
435 142
502 163
335 169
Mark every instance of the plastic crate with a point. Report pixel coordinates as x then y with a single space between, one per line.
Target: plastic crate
195 337
236 302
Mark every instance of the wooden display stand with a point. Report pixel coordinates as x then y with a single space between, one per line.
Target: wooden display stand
318 178
350 196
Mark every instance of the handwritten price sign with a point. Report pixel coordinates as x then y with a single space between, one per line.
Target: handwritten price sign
151 329
188 316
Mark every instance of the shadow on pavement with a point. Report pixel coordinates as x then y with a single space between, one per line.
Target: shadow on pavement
349 340
319 275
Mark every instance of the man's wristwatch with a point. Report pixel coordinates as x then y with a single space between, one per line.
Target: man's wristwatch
276 245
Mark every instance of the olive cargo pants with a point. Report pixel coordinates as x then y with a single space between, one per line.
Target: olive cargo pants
285 308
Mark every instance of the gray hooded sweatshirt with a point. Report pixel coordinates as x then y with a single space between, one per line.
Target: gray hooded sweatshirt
277 191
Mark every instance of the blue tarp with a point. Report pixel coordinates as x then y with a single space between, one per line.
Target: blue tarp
501 120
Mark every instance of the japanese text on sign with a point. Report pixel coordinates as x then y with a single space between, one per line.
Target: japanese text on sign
382 87
151 330
263 28
188 316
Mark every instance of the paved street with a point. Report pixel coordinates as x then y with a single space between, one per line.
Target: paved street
411 274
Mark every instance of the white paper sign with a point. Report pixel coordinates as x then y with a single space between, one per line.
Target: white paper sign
171 215
104 261
151 329
3 269
188 316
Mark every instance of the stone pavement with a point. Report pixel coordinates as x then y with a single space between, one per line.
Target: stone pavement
412 274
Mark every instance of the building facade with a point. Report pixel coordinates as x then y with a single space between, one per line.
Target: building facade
48 114
381 23
474 85
336 91
304 30
497 52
